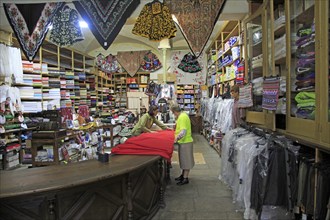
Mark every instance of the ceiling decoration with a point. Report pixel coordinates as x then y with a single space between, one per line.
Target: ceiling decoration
155 22
106 18
30 24
131 61
196 20
66 29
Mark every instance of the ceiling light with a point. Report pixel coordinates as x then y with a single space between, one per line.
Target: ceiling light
83 24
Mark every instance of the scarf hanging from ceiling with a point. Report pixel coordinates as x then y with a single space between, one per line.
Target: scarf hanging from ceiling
106 18
66 30
108 64
189 64
155 22
196 20
30 24
131 61
150 62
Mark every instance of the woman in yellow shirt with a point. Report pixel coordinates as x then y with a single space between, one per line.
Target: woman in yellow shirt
184 138
146 122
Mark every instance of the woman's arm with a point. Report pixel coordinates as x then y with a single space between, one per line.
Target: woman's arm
159 124
180 135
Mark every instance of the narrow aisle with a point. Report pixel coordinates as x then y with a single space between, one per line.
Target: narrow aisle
205 197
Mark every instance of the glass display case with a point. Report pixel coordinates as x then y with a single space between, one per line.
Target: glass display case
256 57
324 27
302 107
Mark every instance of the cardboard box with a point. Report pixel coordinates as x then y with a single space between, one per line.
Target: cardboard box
170 77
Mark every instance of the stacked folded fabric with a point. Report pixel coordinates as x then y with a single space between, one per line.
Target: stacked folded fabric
305 105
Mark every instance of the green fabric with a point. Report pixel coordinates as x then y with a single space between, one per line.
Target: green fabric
145 123
183 122
303 97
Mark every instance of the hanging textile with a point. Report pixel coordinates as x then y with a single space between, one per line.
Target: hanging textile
191 78
30 24
189 64
245 96
106 18
108 64
66 30
150 62
271 87
196 20
155 22
131 61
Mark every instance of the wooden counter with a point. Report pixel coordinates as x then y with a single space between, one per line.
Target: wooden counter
127 187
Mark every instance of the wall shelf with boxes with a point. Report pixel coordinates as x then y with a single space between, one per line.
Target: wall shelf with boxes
224 56
105 88
188 97
13 147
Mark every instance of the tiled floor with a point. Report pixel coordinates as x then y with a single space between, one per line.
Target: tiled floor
205 197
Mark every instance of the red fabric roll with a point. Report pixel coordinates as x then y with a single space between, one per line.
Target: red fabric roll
160 143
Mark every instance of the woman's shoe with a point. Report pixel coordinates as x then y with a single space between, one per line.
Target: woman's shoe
180 178
183 182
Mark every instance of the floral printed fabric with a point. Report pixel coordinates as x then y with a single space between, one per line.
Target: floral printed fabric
189 64
150 62
155 22
198 78
108 64
106 18
31 38
66 30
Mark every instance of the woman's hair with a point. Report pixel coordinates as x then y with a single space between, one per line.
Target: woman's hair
175 108
152 108
234 88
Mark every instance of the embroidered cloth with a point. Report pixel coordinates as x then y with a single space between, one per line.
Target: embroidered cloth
150 62
108 64
196 20
131 60
271 87
189 64
155 22
66 29
106 18
30 24
245 96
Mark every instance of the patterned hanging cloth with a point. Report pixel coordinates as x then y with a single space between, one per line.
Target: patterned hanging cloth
66 29
150 62
189 64
155 22
131 61
271 88
30 24
106 18
108 64
196 20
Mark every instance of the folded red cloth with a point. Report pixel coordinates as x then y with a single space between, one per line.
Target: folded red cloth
159 143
